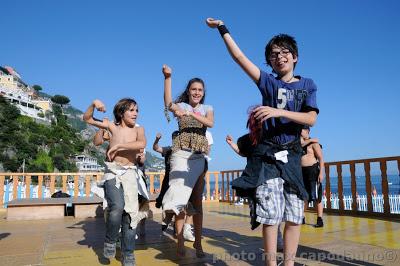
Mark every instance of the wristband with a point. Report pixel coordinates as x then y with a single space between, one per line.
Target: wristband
222 30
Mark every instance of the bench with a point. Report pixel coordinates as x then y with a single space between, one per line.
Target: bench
88 207
53 208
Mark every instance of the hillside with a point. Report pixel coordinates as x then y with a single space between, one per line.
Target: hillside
43 148
152 163
50 148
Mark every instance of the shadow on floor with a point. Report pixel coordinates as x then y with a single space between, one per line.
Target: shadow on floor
322 256
166 245
94 229
228 247
4 235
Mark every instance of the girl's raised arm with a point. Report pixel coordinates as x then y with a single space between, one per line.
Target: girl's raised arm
167 86
178 112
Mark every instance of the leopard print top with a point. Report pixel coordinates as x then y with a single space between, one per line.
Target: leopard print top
192 136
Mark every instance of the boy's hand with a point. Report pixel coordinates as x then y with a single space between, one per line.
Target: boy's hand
213 23
140 154
99 105
112 152
166 70
158 136
105 135
263 113
229 139
320 178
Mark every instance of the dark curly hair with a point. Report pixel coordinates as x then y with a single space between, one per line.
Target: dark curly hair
121 107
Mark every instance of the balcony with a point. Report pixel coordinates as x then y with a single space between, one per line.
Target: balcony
360 228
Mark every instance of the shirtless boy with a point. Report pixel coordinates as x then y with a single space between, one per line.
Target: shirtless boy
120 178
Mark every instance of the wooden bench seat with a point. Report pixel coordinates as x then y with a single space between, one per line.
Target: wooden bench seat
53 208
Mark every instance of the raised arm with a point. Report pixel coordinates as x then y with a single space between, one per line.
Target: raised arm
233 145
157 147
318 154
167 71
101 136
137 145
88 115
98 138
237 55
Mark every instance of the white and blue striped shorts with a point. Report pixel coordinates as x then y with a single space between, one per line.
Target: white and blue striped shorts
276 202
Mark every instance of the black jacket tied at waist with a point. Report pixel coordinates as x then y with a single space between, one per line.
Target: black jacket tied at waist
262 165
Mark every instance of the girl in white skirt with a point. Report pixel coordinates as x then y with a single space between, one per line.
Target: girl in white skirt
188 163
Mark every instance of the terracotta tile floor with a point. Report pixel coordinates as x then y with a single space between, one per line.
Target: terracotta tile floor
227 240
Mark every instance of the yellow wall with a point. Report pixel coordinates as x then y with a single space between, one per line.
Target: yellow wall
45 105
7 81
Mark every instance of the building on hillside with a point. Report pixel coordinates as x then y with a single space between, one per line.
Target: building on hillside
45 105
23 96
87 164
9 78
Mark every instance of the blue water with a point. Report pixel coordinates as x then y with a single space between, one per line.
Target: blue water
376 180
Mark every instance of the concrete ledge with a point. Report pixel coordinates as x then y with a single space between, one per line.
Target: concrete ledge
88 207
88 210
35 212
53 208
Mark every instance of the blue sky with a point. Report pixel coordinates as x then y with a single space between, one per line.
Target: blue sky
113 49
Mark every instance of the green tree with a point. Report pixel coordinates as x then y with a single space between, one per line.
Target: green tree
42 163
42 147
37 88
11 164
62 164
60 99
60 117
